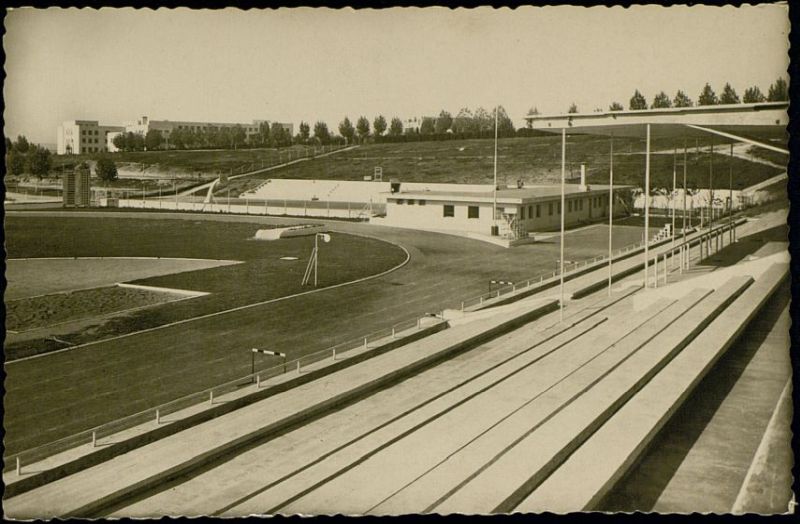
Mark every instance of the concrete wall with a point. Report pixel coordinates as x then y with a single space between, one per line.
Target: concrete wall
431 216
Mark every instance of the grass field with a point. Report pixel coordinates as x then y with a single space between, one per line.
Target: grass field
262 276
533 160
62 393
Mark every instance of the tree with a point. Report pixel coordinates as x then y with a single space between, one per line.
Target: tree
106 169
305 131
15 162
346 130
238 136
682 100
38 161
505 127
263 133
9 144
396 127
280 136
22 144
321 133
427 127
379 125
464 122
443 122
616 106
728 95
637 101
573 108
753 95
707 97
121 143
778 91
661 101
362 126
137 141
153 139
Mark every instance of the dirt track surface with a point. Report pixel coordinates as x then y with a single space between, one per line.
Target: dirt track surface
59 394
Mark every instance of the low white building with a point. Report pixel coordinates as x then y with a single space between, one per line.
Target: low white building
519 210
166 127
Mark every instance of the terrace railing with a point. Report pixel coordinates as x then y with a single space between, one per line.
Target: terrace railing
195 402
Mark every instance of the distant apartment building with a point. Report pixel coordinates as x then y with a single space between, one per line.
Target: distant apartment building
86 136
77 137
76 188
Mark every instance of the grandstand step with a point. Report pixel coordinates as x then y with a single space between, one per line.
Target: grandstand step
92 491
592 471
433 443
504 482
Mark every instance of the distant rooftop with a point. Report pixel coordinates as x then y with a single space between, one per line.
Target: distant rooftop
506 195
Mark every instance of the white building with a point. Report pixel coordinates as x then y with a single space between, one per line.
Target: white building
144 124
77 137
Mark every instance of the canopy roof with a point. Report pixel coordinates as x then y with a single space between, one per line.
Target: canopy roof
765 121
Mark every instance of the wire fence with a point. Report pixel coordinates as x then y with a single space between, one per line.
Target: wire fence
285 370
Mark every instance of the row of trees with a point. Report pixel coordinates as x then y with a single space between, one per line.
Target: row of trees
23 157
465 124
778 92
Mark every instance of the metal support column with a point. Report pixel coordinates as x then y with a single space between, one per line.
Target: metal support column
561 258
646 205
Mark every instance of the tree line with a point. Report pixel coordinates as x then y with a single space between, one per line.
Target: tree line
778 92
23 157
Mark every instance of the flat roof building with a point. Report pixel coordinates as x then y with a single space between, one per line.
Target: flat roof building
519 210
77 137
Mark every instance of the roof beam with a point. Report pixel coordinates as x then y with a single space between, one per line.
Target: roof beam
740 138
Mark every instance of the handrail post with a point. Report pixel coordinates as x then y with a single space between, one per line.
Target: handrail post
94 439
393 328
365 342
298 366
334 353
19 467
258 381
211 397
158 416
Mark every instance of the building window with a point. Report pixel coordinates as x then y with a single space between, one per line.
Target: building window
410 202
580 204
569 206
400 201
473 212
550 208
448 210
558 208
421 202
522 213
538 211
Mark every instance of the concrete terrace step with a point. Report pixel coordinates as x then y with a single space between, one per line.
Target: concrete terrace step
504 482
388 472
258 480
592 471
90 491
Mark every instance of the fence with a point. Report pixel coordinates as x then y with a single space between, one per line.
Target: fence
243 206
343 350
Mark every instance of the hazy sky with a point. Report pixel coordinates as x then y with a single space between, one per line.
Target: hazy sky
114 65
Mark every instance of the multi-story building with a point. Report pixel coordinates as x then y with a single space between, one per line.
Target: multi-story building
87 136
166 127
76 188
76 137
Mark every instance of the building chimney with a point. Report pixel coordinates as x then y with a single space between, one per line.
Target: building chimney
583 186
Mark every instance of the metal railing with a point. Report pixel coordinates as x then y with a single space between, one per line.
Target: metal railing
160 414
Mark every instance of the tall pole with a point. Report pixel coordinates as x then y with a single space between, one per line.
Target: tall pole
561 262
684 188
730 197
674 189
316 257
646 205
711 188
494 191
610 207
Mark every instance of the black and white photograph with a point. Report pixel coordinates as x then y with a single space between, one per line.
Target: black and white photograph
397 261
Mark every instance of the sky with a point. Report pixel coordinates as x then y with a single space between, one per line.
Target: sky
288 65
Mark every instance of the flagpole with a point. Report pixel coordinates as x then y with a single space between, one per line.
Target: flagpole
610 208
563 175
316 258
494 191
647 208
